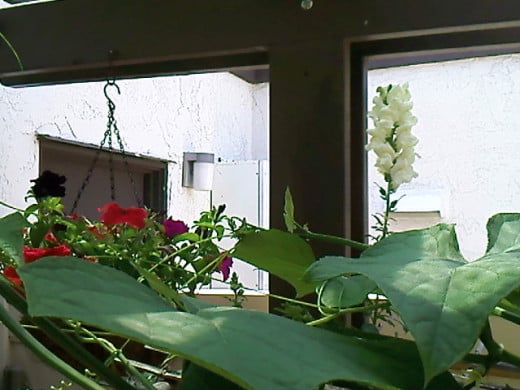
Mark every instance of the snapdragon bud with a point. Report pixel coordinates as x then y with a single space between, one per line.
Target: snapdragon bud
391 139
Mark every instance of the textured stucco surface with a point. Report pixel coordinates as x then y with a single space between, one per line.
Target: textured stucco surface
159 117
469 139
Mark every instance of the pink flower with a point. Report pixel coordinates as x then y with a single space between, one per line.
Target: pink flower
225 267
173 228
114 214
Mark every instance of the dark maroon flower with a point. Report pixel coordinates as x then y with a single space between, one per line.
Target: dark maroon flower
49 184
173 227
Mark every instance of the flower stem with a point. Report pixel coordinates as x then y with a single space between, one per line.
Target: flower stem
295 301
505 357
179 251
388 194
43 353
69 345
334 239
211 265
13 50
494 349
10 206
117 352
270 295
507 315
510 357
347 311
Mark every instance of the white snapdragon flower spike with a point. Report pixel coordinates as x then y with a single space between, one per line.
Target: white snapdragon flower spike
391 139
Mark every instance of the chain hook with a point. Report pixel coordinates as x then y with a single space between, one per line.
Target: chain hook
111 83
111 130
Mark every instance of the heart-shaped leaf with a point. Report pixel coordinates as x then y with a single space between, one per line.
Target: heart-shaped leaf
443 301
342 292
436 241
252 349
284 254
11 236
503 235
503 232
197 378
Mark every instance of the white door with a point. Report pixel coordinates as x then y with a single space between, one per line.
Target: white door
243 187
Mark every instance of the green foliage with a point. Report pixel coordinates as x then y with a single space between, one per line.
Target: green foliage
198 378
503 232
288 211
284 254
252 349
344 292
238 291
140 289
11 237
443 300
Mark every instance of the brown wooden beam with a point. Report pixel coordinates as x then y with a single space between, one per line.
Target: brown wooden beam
93 72
79 34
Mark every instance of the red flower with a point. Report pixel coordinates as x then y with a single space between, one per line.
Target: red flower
225 267
95 231
10 273
174 227
114 214
32 254
49 236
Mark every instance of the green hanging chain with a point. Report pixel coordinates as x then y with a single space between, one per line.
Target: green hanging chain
13 50
112 130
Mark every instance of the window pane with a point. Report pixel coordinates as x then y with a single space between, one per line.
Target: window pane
468 142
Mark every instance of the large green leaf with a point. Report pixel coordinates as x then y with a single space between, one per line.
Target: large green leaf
443 302
503 232
11 236
197 378
435 241
344 292
503 235
439 241
253 349
284 254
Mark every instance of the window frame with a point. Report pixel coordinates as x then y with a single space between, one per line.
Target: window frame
407 50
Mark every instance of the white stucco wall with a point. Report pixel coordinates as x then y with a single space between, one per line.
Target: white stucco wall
469 140
260 118
158 117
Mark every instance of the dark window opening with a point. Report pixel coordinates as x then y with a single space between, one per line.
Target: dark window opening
135 178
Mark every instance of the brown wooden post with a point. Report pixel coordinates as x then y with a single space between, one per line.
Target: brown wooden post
309 139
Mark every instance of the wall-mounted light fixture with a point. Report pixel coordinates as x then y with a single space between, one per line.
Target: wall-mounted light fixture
197 171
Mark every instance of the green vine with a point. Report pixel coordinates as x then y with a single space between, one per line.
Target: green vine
13 50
